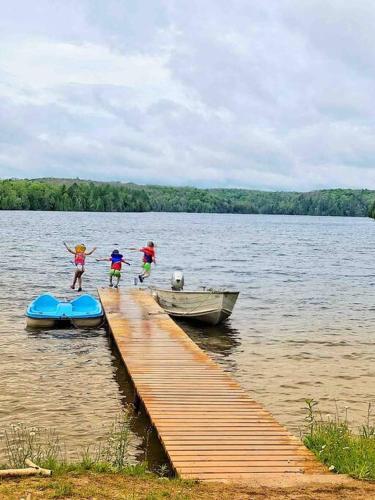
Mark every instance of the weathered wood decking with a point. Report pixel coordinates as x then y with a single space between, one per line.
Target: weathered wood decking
209 426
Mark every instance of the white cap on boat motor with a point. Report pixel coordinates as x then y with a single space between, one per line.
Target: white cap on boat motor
177 280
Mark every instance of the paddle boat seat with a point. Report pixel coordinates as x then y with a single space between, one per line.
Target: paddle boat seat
46 310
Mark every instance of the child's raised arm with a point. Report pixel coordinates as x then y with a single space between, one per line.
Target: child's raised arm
92 251
69 249
106 259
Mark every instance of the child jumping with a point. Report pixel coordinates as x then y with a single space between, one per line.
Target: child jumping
148 259
116 260
80 255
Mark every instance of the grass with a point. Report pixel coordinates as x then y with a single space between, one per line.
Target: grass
61 489
43 447
106 472
35 443
120 486
339 447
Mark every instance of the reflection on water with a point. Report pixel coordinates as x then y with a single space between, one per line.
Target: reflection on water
303 325
219 340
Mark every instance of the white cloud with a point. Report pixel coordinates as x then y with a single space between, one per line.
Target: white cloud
274 95
44 64
36 66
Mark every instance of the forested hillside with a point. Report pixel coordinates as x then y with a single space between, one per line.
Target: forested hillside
78 195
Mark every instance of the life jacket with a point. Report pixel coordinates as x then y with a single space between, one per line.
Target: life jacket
148 254
79 259
116 263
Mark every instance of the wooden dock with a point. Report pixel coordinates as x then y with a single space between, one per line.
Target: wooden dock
210 428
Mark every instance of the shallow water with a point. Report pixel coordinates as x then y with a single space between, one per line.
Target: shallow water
303 326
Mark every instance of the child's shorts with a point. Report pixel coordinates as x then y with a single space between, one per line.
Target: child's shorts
115 273
147 267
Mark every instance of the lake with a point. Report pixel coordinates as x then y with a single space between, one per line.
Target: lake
303 326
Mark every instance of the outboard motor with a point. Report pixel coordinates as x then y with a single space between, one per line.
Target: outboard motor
177 281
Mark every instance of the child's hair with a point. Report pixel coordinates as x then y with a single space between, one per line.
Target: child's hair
150 244
116 255
80 248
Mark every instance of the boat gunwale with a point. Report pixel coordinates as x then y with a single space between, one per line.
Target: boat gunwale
199 313
41 315
202 292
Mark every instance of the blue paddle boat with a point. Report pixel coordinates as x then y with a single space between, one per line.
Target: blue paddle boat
46 311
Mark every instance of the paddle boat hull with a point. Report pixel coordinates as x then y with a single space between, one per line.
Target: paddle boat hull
87 322
40 323
208 306
46 311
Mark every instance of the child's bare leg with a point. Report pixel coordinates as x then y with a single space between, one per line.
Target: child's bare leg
117 275
80 280
145 273
74 280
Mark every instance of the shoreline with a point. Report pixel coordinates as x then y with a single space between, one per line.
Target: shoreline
54 194
111 486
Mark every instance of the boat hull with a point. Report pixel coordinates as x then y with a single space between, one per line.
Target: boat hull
87 322
51 322
210 307
40 322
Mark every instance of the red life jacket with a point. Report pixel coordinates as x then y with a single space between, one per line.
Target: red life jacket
148 254
79 259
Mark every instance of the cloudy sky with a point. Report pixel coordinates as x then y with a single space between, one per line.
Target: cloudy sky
273 94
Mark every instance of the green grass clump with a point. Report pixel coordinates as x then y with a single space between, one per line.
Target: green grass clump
42 446
61 489
338 447
35 443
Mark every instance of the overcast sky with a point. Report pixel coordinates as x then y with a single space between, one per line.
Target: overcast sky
272 94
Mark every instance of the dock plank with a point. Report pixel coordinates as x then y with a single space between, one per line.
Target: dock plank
209 426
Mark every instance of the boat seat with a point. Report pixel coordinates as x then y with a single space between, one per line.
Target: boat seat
85 304
45 303
64 309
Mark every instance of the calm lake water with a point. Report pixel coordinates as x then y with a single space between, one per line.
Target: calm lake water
303 326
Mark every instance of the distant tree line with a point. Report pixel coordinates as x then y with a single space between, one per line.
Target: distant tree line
371 212
78 195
